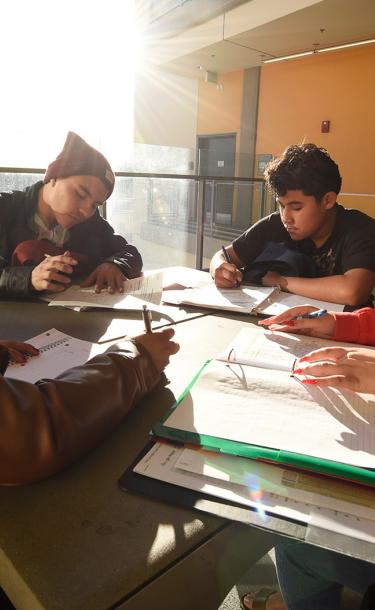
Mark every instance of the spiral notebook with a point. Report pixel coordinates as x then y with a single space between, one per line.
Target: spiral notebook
57 352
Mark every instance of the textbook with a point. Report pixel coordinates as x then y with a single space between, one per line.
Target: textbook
252 300
248 403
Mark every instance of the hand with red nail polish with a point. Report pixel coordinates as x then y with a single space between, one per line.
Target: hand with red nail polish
309 381
352 368
288 322
297 371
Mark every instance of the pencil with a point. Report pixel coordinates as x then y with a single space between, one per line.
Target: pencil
229 260
147 318
226 255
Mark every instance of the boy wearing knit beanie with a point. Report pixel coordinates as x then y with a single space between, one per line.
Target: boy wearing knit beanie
53 231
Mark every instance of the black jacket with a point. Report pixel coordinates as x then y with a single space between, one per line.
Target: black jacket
94 238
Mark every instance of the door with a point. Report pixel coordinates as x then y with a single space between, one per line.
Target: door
217 157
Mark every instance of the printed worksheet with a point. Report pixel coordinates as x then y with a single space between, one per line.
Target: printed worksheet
241 300
135 293
333 505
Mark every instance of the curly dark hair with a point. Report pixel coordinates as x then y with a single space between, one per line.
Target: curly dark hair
304 167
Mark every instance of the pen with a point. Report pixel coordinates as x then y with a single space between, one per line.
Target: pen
147 318
229 260
313 314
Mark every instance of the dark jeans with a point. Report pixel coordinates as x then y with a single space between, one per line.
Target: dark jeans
311 578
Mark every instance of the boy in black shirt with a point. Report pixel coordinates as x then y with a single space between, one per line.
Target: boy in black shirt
339 242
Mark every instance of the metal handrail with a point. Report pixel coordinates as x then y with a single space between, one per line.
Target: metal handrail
201 180
34 170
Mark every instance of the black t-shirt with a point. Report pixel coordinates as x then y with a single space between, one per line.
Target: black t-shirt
351 244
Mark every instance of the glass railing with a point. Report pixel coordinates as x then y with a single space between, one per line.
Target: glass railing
173 219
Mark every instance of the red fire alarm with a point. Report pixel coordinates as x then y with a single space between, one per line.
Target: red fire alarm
325 126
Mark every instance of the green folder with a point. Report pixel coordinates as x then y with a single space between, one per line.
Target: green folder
296 461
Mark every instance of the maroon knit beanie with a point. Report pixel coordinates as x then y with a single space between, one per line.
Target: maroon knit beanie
77 158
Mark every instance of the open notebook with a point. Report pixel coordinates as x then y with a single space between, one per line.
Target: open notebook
247 403
246 299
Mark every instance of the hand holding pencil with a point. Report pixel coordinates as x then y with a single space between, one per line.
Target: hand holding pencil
305 320
159 345
226 273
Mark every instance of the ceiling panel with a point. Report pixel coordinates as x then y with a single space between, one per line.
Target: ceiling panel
326 23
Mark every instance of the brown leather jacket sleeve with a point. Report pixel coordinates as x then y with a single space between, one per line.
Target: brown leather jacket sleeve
47 425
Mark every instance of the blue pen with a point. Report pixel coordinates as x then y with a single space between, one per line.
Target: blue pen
313 314
229 260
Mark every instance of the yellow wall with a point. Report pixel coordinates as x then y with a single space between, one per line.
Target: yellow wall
297 95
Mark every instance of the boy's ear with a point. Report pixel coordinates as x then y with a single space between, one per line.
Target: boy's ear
329 200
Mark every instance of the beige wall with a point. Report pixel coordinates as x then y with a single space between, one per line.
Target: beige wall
165 110
219 108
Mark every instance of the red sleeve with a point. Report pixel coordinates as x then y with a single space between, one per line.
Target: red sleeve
356 326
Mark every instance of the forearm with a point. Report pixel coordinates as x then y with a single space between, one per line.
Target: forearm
46 426
339 288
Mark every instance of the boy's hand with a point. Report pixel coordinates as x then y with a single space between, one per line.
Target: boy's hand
106 276
227 276
53 272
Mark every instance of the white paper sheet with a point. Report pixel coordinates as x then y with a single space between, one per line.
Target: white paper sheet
271 350
136 292
241 300
246 299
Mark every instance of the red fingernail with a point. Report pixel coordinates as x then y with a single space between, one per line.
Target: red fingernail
303 359
309 381
297 371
